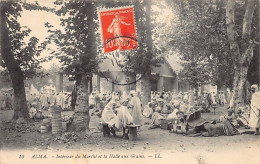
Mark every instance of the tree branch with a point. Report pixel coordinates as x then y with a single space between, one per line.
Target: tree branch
247 21
231 32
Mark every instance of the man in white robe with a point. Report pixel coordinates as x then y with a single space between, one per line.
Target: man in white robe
135 105
44 101
148 110
59 100
123 118
254 120
109 116
33 111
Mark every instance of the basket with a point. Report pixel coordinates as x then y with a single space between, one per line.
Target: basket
56 120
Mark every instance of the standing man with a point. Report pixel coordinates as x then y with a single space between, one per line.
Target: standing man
135 105
254 120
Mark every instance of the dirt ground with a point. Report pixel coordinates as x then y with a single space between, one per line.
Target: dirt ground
229 149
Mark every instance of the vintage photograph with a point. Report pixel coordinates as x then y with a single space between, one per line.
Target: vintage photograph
129 81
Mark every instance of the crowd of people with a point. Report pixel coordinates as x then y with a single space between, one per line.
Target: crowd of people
172 105
38 102
119 109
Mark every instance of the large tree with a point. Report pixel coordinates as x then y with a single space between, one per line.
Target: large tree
206 38
241 42
17 56
199 36
77 51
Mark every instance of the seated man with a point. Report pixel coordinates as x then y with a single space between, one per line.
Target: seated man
173 115
243 117
95 115
32 111
109 116
179 118
123 118
148 110
156 118
230 116
178 123
183 107
163 107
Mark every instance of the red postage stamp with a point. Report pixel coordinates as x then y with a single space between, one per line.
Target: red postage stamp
118 29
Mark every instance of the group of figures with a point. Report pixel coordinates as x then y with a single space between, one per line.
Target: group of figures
176 108
166 102
42 101
115 109
119 109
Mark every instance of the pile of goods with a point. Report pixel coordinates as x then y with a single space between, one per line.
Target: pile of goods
22 127
176 123
68 137
49 121
53 121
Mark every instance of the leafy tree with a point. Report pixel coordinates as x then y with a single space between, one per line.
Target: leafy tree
17 56
78 43
77 49
199 37
202 37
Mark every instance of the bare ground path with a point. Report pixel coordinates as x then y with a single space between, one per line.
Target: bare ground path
149 143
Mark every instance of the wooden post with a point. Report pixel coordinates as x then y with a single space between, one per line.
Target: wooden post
106 130
98 83
132 133
60 82
113 87
160 84
90 85
177 83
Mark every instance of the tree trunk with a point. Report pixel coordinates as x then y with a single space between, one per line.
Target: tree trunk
73 97
16 74
145 36
81 115
238 86
144 87
90 85
242 53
